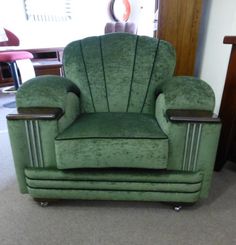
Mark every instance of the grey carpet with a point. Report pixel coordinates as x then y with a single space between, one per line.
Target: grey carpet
23 222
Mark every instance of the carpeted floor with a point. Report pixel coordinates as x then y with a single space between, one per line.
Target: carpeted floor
23 222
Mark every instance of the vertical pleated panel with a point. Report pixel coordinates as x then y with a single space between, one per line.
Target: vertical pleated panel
92 54
76 70
119 72
162 71
118 53
146 52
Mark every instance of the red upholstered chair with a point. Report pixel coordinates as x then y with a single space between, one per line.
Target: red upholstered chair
10 57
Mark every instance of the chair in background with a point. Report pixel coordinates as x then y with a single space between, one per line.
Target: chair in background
129 27
11 57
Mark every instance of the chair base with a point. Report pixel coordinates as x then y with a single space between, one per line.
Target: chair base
121 185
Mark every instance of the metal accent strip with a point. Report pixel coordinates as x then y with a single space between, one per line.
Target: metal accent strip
34 143
29 143
197 146
34 146
39 144
186 146
191 146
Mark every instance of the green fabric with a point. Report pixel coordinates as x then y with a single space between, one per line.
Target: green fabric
113 125
48 131
200 96
188 93
112 140
118 72
207 155
109 174
114 184
103 185
45 91
115 195
19 146
100 153
72 110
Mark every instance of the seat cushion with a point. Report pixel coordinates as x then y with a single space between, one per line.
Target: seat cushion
100 140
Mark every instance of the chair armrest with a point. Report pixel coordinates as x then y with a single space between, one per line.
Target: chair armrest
45 91
36 113
184 111
46 106
191 116
188 93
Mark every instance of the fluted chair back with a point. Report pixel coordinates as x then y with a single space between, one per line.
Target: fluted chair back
119 72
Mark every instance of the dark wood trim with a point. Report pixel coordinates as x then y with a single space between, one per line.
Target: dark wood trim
227 142
229 40
178 23
36 113
197 116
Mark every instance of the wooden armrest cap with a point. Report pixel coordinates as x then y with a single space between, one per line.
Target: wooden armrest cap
36 113
176 115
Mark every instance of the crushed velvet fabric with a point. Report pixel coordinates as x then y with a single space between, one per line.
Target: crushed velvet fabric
119 72
112 140
45 91
113 120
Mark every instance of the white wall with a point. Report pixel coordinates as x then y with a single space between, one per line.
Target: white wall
215 55
88 18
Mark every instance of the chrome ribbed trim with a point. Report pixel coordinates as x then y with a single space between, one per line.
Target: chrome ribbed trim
34 143
192 142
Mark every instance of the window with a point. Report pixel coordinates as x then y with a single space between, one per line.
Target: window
48 10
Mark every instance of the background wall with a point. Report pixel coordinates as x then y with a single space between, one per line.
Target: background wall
88 18
213 56
219 20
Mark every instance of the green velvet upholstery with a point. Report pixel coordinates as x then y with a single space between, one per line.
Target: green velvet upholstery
117 184
98 140
114 140
119 72
45 91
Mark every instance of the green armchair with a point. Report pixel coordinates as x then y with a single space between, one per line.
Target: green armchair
118 126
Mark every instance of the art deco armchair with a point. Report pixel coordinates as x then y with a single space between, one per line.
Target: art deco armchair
118 126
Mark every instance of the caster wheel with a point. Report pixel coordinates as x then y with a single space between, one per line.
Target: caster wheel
177 208
43 204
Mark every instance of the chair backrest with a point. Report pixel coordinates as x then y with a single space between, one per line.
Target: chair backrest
129 27
119 72
13 40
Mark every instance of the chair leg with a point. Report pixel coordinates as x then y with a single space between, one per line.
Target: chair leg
15 74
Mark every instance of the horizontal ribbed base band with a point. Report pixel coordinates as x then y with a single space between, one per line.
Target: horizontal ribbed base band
114 184
114 195
115 174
